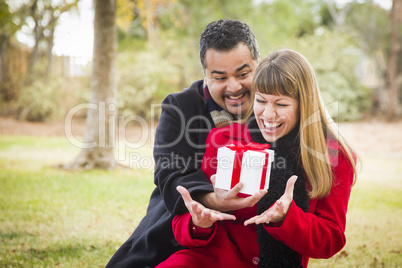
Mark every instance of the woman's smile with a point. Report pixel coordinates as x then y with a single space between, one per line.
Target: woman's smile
276 115
271 126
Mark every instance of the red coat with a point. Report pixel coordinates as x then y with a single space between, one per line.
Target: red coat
319 233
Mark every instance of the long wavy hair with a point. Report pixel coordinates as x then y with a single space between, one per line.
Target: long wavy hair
287 72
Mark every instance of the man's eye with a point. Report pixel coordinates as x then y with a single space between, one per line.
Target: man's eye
243 74
220 78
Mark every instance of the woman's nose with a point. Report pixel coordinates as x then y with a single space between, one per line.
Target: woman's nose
269 111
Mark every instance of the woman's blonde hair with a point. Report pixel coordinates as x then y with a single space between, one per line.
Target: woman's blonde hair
287 72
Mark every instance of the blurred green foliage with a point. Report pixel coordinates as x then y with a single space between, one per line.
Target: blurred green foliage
148 72
150 68
146 77
41 100
334 57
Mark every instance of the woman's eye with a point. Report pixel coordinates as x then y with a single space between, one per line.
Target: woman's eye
282 105
260 101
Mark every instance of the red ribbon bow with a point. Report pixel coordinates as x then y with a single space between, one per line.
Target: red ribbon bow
240 150
250 146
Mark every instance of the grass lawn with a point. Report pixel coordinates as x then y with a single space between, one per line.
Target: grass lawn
55 218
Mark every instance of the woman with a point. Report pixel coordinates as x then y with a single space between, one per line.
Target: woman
303 214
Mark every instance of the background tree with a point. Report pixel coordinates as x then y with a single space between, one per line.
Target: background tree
149 71
10 23
44 14
146 12
378 34
334 56
369 25
396 25
101 117
338 14
25 90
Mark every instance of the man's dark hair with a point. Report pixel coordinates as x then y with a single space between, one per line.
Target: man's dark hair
225 35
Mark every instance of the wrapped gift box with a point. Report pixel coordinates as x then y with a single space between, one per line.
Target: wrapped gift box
250 164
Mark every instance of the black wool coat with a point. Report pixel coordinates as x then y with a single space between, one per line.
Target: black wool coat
180 139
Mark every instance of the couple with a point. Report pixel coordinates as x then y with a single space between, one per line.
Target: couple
189 223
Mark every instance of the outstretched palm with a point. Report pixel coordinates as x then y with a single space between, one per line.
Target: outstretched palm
277 212
202 216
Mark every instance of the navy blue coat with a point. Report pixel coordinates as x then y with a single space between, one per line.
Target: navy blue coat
180 138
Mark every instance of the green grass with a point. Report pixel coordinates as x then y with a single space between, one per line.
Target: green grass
374 219
50 217
55 218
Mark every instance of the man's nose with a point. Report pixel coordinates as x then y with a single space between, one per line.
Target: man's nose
233 85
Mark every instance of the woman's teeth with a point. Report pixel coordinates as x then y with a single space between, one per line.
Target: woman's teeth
271 125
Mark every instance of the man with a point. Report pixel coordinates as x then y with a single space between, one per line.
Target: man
229 55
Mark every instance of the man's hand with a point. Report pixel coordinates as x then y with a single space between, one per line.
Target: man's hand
224 200
277 212
200 215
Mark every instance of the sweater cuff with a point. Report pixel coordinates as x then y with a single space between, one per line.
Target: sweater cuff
201 233
273 224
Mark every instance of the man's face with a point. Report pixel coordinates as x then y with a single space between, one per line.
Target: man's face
229 75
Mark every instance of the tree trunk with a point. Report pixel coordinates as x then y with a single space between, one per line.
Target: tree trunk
100 122
50 44
391 70
34 55
338 16
4 90
151 28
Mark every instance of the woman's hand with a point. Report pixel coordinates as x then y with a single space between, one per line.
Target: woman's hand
277 212
201 216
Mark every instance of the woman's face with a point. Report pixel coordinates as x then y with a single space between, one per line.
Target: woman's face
276 115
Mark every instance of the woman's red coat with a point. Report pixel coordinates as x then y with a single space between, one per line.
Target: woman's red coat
319 233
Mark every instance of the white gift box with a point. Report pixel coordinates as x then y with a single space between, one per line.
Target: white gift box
254 170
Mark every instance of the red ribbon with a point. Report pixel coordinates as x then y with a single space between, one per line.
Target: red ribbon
250 146
240 150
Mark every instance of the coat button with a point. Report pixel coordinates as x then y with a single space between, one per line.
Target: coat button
256 260
175 243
